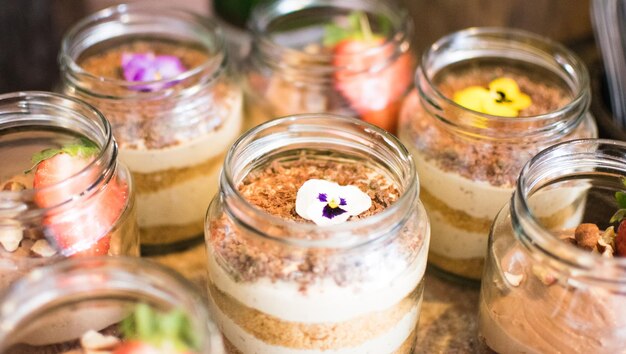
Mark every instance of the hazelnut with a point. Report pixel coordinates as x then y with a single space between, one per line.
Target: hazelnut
10 237
12 186
587 235
514 279
93 340
43 248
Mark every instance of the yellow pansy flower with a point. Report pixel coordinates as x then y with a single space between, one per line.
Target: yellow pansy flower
503 98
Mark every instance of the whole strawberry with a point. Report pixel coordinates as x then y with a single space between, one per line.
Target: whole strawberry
620 239
61 175
149 332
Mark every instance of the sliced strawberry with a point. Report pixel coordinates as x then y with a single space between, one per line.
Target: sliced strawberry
83 229
136 347
372 91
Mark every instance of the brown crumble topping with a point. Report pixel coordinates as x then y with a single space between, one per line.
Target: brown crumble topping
273 189
497 163
155 123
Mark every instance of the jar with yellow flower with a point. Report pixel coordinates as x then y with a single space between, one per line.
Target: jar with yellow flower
487 100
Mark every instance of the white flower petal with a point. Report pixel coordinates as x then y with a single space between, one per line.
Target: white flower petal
356 200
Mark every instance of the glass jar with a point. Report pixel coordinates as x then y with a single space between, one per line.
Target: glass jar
350 57
468 161
173 132
65 205
280 284
51 309
540 292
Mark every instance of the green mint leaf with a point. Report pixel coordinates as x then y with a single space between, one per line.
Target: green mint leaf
163 329
385 26
83 147
618 216
335 33
620 197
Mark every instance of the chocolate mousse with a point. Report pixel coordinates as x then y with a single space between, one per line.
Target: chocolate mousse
271 297
541 311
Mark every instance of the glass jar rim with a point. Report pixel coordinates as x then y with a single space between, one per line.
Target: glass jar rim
263 14
111 274
120 13
534 235
342 235
521 41
105 160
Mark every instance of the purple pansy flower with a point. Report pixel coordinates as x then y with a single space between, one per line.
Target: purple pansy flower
328 203
146 67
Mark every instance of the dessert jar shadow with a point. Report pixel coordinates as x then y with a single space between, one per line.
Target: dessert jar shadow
558 287
345 57
162 77
99 305
524 94
62 191
280 283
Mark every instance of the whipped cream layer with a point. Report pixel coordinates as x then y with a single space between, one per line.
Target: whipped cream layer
180 204
324 301
186 153
385 343
482 200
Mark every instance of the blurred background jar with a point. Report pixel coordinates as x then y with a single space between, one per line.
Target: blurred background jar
62 191
93 305
553 287
162 77
469 158
348 57
282 285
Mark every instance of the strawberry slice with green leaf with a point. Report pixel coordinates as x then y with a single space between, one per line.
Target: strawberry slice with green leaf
149 332
59 176
367 75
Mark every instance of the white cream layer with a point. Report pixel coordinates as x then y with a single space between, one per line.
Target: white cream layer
186 154
322 302
385 343
480 200
182 203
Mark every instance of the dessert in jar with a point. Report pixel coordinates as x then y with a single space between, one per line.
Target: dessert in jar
112 305
559 288
346 57
487 100
317 241
62 191
161 77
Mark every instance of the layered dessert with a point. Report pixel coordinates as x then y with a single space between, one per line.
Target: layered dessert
466 178
144 330
273 295
343 61
53 204
539 310
173 126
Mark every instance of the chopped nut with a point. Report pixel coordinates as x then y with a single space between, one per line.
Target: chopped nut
13 186
43 248
587 235
544 275
606 242
513 279
93 340
10 237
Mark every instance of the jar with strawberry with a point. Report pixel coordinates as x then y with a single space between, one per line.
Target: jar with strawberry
559 285
487 100
109 305
63 193
347 57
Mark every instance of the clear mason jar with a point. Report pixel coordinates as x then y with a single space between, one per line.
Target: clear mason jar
173 133
86 212
51 308
541 294
297 66
279 285
468 161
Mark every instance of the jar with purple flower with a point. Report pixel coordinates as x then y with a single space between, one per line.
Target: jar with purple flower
161 76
